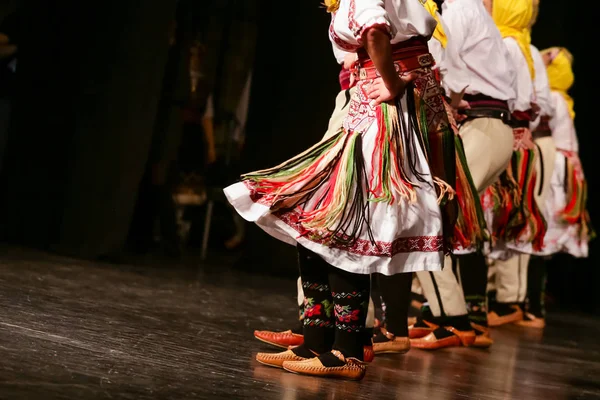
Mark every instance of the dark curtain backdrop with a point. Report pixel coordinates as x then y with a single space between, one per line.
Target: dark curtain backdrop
574 283
293 91
88 84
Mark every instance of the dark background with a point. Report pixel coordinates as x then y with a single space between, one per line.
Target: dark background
571 24
88 85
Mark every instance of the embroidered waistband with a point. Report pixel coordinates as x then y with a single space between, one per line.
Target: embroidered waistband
408 55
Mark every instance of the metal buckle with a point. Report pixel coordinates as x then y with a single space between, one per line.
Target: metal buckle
425 60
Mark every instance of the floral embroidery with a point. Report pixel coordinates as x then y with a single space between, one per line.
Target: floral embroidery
328 305
345 314
317 314
311 309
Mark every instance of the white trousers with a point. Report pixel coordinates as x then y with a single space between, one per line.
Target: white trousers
488 144
509 277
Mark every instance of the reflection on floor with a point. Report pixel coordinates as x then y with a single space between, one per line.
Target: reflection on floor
79 330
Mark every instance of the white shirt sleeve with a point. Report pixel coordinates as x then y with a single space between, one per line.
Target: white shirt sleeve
367 14
562 126
542 88
454 71
339 54
524 82
401 19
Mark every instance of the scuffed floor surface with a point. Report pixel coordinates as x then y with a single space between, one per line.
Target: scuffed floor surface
79 330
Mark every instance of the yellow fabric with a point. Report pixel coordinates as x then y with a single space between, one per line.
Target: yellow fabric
561 77
439 33
512 17
332 5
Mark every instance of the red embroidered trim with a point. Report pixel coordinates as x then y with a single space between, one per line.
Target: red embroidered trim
338 40
352 24
424 244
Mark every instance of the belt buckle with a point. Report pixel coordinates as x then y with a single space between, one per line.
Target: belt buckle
362 74
424 60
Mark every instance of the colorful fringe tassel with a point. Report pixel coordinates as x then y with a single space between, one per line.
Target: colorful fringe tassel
436 137
470 230
331 176
516 216
575 212
501 198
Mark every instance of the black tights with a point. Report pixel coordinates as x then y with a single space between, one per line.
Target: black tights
395 295
473 275
536 282
335 306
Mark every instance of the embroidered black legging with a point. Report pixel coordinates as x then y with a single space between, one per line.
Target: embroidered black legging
335 306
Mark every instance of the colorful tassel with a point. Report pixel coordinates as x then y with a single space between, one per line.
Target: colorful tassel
470 230
575 211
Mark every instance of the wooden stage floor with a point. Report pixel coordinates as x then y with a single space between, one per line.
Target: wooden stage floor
79 330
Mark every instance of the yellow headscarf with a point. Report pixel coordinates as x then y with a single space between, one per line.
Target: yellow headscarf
512 17
332 5
439 33
560 75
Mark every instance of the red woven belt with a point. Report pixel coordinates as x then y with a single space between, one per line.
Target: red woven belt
405 65
409 55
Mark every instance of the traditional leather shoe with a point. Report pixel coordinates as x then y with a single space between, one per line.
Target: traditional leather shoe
277 359
352 369
431 342
368 354
398 345
531 321
280 339
482 337
386 342
496 320
416 332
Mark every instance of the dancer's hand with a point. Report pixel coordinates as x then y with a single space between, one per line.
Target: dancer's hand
462 105
349 60
381 92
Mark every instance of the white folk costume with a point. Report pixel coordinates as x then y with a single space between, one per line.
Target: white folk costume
485 136
364 199
452 72
508 277
569 228
512 214
542 136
